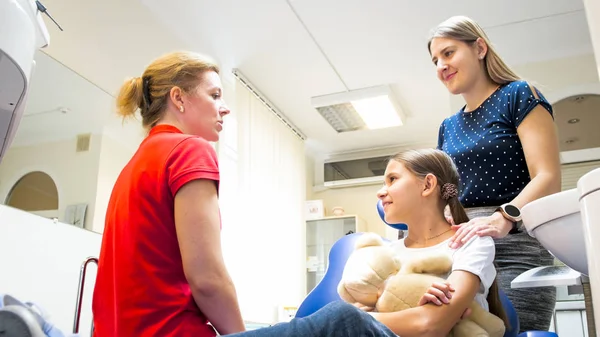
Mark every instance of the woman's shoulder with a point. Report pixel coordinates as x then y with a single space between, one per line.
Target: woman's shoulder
520 87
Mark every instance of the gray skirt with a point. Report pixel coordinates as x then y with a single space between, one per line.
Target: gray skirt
515 254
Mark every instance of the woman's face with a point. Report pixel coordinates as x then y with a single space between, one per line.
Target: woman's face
205 108
401 193
458 63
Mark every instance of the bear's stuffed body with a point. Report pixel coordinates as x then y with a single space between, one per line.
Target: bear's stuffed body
375 276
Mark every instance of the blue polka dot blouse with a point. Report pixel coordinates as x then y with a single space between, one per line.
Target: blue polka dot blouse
486 148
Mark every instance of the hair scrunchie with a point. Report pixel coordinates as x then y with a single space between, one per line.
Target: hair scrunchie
449 191
146 90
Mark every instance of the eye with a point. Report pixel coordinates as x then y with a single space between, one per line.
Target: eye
448 53
216 96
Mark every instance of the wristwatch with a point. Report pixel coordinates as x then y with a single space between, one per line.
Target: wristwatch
512 213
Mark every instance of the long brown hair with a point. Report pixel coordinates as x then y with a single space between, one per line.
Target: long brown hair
436 162
150 92
462 28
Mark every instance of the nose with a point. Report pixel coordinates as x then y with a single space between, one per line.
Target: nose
224 110
382 193
441 66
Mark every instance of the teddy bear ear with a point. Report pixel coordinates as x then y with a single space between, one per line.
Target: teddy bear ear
368 240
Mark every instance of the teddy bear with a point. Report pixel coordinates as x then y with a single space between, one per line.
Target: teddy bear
376 277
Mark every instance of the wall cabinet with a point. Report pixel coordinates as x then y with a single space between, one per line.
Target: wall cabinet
321 234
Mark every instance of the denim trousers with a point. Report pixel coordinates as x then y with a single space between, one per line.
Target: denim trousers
337 319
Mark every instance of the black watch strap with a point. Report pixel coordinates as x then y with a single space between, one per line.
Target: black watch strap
516 227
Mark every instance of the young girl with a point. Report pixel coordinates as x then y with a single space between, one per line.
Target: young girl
505 144
418 186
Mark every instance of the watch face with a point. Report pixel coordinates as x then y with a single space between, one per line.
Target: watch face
512 211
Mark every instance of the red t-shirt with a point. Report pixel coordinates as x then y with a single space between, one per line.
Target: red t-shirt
141 289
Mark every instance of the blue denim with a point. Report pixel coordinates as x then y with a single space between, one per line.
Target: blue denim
336 319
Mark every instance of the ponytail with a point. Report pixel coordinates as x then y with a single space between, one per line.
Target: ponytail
130 97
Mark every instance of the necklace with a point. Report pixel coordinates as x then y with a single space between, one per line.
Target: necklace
432 237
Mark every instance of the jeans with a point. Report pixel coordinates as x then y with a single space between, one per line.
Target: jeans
336 319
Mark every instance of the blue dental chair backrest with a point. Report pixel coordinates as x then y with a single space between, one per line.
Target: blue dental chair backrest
326 291
398 226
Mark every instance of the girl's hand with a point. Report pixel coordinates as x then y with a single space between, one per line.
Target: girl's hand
494 225
363 307
439 293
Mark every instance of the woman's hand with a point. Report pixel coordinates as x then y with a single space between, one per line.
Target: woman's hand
437 294
494 225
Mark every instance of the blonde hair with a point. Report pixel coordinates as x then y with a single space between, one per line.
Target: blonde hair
150 92
436 162
462 28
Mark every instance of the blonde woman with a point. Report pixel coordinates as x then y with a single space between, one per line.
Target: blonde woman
161 269
504 143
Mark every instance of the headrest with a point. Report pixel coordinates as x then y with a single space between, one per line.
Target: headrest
398 226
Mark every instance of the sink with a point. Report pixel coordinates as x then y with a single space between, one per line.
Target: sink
556 222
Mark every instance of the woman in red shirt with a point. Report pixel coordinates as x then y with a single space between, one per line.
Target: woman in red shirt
161 270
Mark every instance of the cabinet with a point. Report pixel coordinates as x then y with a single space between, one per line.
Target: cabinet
321 234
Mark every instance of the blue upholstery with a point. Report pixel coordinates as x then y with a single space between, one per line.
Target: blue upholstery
511 313
326 291
399 226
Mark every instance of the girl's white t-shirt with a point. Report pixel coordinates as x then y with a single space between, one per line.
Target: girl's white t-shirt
476 257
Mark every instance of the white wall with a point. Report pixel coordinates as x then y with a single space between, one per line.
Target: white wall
113 156
592 11
263 233
74 173
40 263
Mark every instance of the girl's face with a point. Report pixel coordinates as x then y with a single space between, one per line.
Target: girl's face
458 64
401 194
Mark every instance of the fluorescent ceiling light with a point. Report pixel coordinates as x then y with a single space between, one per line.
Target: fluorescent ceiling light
369 108
377 112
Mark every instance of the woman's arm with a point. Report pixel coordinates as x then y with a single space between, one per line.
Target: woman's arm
539 138
197 221
432 320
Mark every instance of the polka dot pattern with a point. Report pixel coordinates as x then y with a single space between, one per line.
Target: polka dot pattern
485 146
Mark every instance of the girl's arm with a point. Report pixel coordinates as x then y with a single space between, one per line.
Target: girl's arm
430 319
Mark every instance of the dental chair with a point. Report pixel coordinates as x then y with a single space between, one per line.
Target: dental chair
326 291
18 319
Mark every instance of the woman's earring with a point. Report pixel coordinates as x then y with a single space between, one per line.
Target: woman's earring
181 108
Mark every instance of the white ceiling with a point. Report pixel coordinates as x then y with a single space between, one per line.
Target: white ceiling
292 51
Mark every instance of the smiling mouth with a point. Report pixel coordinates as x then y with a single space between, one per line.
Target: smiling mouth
449 77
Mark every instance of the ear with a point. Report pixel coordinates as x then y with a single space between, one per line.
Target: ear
176 96
481 48
430 184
